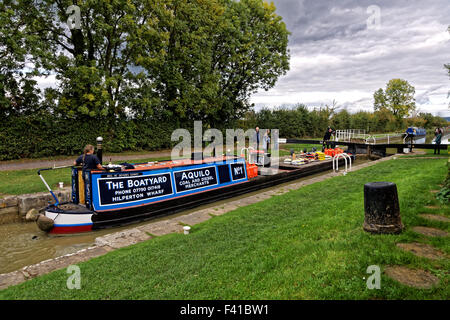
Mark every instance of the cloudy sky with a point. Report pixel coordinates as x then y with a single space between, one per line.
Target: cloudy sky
343 50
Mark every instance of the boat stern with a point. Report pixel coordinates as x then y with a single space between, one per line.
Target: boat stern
57 220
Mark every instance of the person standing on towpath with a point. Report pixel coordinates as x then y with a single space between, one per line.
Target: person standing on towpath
437 141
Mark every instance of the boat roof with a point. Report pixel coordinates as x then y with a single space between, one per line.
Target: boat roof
168 164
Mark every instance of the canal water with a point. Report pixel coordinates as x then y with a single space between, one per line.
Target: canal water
444 139
427 139
23 244
430 139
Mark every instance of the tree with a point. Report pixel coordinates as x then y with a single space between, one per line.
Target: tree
398 98
184 59
431 122
181 68
249 52
341 120
217 53
362 120
93 62
18 92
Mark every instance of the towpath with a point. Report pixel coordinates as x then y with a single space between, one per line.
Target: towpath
66 161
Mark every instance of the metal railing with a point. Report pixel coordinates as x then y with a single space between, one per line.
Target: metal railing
387 136
345 156
349 134
245 152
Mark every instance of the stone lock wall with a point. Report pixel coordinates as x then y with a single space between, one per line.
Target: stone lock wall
14 208
9 210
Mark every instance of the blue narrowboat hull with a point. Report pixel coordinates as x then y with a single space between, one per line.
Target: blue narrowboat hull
114 198
416 132
101 210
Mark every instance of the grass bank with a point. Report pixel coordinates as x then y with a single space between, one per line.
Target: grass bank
305 244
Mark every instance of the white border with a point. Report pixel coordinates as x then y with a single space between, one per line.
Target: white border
140 176
210 185
245 172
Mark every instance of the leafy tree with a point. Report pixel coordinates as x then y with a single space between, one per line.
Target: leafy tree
93 63
431 121
362 120
341 120
216 54
416 122
179 64
249 52
398 98
184 59
321 119
18 94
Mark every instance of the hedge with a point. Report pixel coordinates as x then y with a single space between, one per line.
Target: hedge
37 136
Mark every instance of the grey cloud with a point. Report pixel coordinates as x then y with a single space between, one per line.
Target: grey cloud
332 50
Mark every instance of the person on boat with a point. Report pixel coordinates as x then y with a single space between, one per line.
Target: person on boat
257 138
266 141
326 138
88 159
437 141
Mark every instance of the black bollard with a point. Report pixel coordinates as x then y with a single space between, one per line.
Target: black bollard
100 149
381 208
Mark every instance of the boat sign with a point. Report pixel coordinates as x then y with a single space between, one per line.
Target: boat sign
238 171
186 180
130 189
116 190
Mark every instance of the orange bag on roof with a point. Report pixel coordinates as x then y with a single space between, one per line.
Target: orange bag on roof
252 170
330 152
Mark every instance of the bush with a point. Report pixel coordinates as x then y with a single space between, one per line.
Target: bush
43 136
444 194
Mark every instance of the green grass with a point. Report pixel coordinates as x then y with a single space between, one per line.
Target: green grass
14 182
65 157
305 244
27 181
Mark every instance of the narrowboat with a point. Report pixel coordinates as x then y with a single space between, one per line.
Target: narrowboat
124 194
119 195
415 132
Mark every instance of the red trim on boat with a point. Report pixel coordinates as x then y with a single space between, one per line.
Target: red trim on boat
72 229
